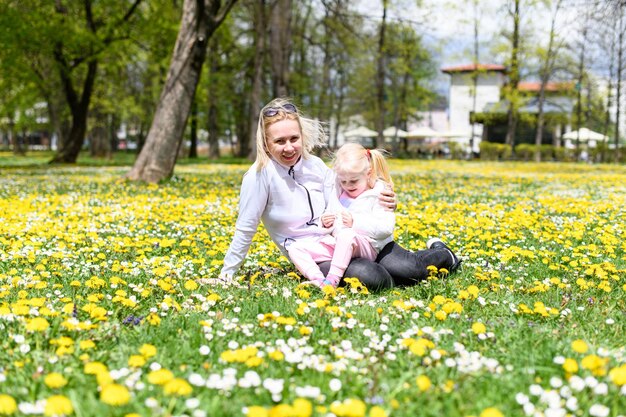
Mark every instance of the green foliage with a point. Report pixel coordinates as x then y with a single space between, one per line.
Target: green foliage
494 151
526 152
409 69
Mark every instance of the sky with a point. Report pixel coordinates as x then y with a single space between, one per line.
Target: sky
447 27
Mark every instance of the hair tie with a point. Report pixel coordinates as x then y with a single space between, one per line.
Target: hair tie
368 154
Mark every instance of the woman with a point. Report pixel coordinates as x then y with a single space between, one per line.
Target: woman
288 189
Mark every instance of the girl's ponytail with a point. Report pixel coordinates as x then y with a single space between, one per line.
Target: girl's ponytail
379 165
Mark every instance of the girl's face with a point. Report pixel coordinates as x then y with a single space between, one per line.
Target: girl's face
353 183
284 141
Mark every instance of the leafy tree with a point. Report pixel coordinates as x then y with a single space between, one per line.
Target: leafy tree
84 33
511 90
380 78
200 19
548 63
409 65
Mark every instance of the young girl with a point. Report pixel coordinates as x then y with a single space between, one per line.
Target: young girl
360 227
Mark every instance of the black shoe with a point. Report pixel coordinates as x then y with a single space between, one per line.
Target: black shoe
436 243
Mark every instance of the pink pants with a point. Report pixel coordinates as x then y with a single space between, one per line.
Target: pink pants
339 249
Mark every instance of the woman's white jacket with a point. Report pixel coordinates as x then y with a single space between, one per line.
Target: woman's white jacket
289 202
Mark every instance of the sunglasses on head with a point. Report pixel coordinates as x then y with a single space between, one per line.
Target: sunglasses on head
273 111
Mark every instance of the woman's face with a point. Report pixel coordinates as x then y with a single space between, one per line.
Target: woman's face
284 141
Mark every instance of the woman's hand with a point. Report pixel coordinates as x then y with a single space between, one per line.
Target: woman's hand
387 198
328 220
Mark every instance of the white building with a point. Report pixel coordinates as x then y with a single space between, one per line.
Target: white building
486 103
463 100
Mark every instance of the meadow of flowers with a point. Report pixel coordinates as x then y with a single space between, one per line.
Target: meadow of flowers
107 307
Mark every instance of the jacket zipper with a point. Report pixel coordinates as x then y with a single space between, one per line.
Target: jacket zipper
308 195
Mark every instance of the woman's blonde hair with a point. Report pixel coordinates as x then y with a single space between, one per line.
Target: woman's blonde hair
312 131
355 158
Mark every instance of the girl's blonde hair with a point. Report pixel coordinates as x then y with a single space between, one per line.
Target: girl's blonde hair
354 158
312 131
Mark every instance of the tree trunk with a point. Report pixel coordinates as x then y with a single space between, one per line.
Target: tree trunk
380 81
14 140
193 131
618 94
280 46
70 148
113 127
248 146
99 144
212 127
475 74
79 106
342 83
546 71
324 106
58 124
609 95
512 115
157 158
400 114
579 85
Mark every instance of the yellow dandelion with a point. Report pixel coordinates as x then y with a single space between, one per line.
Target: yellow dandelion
153 319
160 377
55 380
276 355
281 410
86 344
595 364
302 407
191 285
423 383
94 368
58 405
441 315
350 407
439 299
473 290
305 330
618 375
115 395
254 361
580 346
37 324
570 366
147 350
178 387
479 328
257 411
491 412
104 378
136 361
8 405
377 411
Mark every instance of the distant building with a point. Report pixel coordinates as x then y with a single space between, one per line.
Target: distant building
483 115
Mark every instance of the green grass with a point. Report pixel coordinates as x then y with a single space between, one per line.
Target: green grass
41 159
543 249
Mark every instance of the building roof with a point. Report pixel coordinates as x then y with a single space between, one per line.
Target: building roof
562 105
474 67
535 86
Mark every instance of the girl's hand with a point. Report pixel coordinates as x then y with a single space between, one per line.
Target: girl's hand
328 220
346 219
387 199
